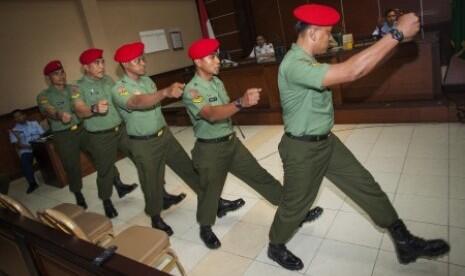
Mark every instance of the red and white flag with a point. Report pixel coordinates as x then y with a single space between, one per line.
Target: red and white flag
205 25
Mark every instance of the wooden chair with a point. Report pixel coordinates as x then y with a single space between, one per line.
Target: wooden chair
143 244
94 226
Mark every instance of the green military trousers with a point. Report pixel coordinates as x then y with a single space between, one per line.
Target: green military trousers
103 147
305 165
150 157
213 161
68 144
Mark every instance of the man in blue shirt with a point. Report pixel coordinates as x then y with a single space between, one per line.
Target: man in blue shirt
21 136
389 23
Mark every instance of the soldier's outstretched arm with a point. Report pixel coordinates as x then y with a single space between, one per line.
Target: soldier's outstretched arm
149 100
364 62
220 112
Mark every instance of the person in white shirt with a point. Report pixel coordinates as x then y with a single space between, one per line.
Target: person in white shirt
263 51
21 136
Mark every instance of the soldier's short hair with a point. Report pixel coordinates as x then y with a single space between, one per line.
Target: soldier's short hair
301 27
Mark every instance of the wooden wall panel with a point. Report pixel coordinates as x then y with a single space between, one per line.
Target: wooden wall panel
286 8
360 17
230 42
267 19
224 24
219 7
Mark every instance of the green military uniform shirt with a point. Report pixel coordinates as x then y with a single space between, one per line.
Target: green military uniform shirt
307 105
59 101
138 122
199 93
91 92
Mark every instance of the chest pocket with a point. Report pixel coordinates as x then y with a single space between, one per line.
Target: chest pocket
322 102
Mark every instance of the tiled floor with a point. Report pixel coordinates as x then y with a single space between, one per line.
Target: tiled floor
420 166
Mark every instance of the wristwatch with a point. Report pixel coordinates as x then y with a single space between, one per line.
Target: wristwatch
397 35
238 103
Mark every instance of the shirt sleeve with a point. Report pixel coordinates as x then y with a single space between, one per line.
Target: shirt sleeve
270 48
13 138
121 96
37 128
307 74
76 94
193 100
252 54
43 103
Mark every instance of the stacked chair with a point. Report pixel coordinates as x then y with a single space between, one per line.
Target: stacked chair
142 244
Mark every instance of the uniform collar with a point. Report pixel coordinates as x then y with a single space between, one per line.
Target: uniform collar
127 79
200 80
53 89
301 52
89 79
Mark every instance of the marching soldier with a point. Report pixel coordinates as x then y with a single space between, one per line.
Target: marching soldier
151 143
217 151
69 138
310 151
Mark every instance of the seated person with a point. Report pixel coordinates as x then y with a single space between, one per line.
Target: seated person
387 23
263 51
21 136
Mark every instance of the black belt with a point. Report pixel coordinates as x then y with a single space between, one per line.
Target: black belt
73 128
150 136
216 140
113 129
309 138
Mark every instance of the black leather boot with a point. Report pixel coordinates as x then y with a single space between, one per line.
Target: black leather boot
32 188
280 254
208 237
158 223
121 188
110 210
312 215
225 206
409 247
80 200
170 200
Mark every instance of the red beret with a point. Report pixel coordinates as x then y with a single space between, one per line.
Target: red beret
130 51
203 47
316 14
90 55
52 66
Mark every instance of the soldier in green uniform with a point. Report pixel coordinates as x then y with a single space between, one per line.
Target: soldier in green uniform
69 137
92 102
310 151
107 135
217 151
151 143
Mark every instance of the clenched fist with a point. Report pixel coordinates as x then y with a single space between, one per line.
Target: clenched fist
251 97
65 117
175 90
101 107
409 25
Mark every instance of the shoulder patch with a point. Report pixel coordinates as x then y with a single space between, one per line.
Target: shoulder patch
43 100
122 91
196 97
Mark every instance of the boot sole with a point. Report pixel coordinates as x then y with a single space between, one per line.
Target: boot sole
413 258
223 212
283 265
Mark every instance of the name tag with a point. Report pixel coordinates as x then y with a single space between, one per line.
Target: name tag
214 99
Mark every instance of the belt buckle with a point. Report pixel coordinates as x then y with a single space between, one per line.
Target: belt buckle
160 132
116 128
73 128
